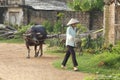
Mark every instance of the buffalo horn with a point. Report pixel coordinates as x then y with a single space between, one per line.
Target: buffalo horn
27 34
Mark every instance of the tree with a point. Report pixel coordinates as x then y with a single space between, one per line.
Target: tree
109 22
109 15
87 6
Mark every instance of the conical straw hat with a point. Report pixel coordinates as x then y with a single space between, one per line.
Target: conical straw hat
72 21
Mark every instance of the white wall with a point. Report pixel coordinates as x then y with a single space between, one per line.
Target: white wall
14 16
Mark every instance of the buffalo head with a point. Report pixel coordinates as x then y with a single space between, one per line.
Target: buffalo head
36 34
34 37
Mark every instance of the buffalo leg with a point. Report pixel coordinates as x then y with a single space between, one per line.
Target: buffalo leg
41 48
28 56
36 53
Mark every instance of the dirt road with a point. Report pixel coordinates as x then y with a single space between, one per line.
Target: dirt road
15 66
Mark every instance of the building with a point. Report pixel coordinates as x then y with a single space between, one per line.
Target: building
11 11
19 11
38 11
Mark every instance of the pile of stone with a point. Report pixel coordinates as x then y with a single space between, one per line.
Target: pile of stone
7 32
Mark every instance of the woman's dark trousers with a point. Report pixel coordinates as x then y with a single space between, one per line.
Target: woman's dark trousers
70 50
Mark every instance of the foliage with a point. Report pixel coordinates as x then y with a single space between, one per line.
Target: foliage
107 60
58 27
87 5
58 51
22 30
60 15
81 28
116 48
93 45
48 26
104 77
75 5
15 26
53 42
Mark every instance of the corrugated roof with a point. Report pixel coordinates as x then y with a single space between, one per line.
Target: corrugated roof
47 5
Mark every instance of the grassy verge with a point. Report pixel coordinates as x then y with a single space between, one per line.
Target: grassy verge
11 41
55 51
88 63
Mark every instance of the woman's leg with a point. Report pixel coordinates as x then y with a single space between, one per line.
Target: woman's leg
73 56
66 56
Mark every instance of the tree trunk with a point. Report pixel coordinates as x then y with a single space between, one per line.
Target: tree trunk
109 23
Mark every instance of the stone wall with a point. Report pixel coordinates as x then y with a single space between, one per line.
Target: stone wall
81 16
39 16
117 24
117 15
97 20
117 33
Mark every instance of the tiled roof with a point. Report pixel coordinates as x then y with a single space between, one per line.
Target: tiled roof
47 5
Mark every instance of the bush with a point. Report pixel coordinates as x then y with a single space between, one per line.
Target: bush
116 48
93 46
22 30
48 26
58 27
107 60
81 29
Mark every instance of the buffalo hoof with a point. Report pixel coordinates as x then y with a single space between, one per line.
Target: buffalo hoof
40 55
36 54
28 57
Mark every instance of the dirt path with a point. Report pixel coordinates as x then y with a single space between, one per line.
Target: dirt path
15 66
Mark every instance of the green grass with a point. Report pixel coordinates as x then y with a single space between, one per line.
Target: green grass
54 50
87 65
11 41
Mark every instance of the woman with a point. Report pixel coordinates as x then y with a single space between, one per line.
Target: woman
70 43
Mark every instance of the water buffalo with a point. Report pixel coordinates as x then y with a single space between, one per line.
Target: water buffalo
35 36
